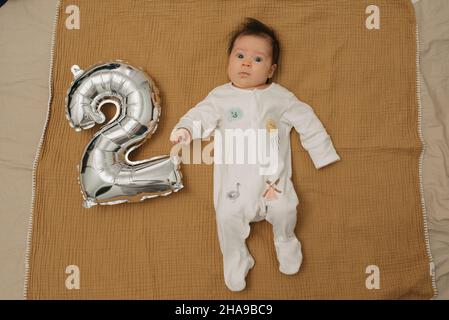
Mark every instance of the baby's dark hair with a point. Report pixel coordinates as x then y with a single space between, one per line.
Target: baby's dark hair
255 27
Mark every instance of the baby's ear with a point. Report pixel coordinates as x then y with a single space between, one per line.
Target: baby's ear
272 70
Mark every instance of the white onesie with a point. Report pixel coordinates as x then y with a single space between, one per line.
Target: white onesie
239 188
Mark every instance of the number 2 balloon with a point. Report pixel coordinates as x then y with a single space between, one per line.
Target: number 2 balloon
106 175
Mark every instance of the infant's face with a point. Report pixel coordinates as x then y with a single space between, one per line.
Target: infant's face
250 62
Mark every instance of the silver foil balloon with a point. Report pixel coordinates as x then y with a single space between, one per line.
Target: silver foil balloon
107 176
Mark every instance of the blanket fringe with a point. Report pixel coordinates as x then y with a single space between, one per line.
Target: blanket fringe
420 169
36 158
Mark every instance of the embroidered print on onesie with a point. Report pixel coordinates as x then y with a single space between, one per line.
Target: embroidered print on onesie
240 189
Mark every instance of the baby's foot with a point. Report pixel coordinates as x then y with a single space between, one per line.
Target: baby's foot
235 276
289 255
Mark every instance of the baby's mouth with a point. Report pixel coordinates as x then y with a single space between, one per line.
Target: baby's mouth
244 74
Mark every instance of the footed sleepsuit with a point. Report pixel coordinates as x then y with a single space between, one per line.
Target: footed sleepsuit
239 188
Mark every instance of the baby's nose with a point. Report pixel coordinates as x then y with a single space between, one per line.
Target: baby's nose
246 63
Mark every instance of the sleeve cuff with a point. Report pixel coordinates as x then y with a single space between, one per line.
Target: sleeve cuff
323 156
183 125
331 159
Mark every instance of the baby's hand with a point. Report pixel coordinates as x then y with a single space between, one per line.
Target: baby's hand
181 136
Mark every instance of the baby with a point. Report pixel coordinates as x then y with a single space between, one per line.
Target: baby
241 193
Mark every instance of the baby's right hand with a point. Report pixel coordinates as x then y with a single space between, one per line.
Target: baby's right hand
181 136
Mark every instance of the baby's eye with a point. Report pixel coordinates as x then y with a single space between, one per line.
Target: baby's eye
258 59
239 55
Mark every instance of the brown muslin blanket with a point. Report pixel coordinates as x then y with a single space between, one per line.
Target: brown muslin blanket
365 210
